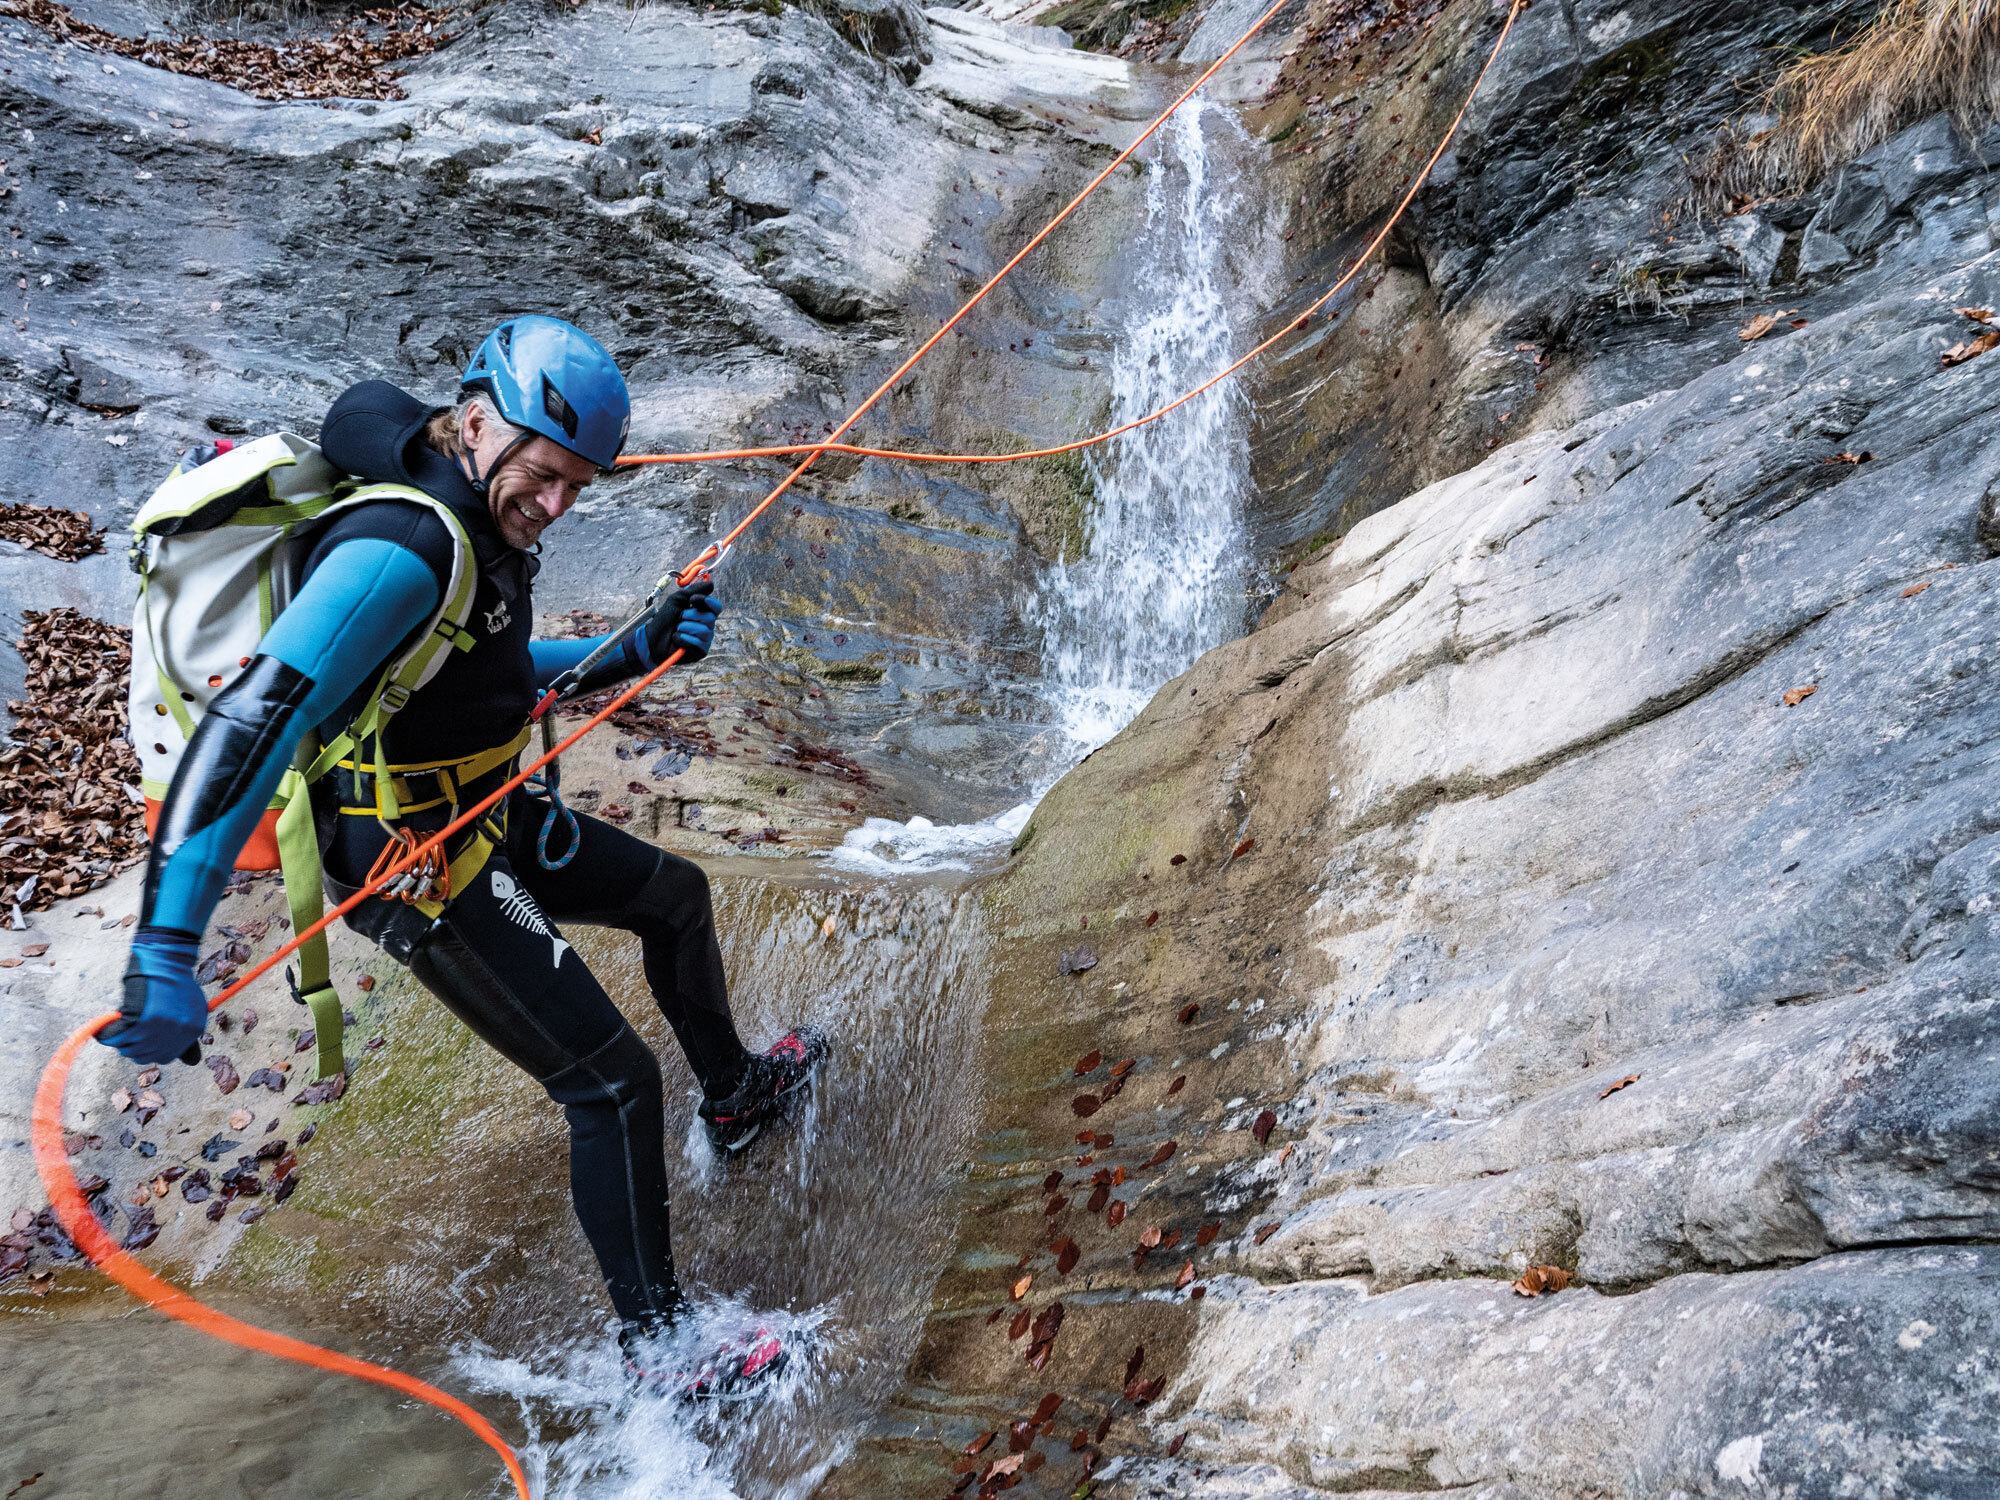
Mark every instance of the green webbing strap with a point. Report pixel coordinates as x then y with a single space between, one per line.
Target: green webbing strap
298 861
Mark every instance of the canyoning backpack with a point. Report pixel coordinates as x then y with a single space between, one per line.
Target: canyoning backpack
218 548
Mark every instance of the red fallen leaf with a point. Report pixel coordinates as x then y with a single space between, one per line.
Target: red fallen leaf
1132 1367
1066 1258
1264 1232
1170 1239
1056 1205
1019 1326
1189 1012
1139 1256
1177 1085
1187 1274
1134 1390
1104 1141
1051 1182
978 1444
1032 1462
1243 848
1103 1427
1085 1137
1048 1322
1120 1069
1207 1233
1161 1152
1088 1062
224 1071
1148 1391
964 1464
1079 1440
1197 1294
1020 1437
365 983
1111 1090
1626 1082
1266 1121
1117 1176
1050 1405
1099 1196
1101 1176
1178 859
1174 1447
994 1316
1038 1356
1115 1215
1152 917
638 789
1150 1236
1085 1105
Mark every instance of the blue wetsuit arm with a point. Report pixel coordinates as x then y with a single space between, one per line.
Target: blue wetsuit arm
358 606
685 622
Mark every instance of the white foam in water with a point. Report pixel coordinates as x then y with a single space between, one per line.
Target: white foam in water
594 1434
882 846
1162 576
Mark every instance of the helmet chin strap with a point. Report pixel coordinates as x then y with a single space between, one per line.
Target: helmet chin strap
469 467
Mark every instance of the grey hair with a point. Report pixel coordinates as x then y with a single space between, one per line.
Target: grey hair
445 430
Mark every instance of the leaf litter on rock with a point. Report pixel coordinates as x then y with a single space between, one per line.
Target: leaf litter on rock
1260 1130
1264 1232
1626 1082
1536 1280
1207 1233
1795 696
1088 1063
1161 1152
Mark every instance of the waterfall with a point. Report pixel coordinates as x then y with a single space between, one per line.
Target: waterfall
1162 575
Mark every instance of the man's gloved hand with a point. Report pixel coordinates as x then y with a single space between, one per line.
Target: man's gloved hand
164 1013
685 622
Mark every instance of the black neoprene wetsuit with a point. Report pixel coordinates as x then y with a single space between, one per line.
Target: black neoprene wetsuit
494 956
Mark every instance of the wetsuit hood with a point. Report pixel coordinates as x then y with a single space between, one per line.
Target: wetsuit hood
375 431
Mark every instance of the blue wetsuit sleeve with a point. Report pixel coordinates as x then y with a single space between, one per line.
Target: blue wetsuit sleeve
359 604
553 658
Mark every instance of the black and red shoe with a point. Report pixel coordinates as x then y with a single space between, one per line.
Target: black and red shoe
769 1083
738 1369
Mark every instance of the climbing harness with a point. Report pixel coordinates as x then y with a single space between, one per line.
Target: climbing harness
52 1160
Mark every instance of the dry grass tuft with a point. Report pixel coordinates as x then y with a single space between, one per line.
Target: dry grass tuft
1916 58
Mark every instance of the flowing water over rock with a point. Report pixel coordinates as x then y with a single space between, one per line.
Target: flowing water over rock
1164 567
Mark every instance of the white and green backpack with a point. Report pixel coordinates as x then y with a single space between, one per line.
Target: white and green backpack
217 549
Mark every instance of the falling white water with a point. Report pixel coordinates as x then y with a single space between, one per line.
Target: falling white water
1162 575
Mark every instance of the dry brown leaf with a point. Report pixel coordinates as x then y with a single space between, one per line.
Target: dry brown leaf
1539 1279
1260 1130
1187 1274
1915 589
1120 1069
151 1099
240 1119
1005 1465
1174 1446
1066 1256
1051 1403
1264 1232
1088 1063
1977 314
121 1100
1115 1215
979 1444
1958 354
1020 1288
1150 1236
1243 848
1152 917
1188 1012
1161 1152
1177 1085
1798 695
1018 1327
1851 458
1085 1105
1207 1233
1757 327
1626 1082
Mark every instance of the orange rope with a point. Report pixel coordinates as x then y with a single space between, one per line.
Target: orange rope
81 1225
831 445
52 1161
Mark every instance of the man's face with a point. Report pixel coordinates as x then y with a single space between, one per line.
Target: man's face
538 482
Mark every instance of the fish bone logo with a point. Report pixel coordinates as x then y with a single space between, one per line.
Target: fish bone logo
522 912
498 619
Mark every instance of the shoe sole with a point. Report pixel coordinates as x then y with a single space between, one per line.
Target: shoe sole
756 1389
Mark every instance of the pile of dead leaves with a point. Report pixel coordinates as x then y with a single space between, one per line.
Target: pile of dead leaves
350 64
67 821
1975 346
65 535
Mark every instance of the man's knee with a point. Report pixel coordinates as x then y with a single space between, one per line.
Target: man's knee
677 894
622 1074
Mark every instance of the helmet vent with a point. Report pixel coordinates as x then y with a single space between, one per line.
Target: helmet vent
504 337
557 408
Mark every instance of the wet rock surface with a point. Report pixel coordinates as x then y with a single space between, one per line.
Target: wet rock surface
1583 863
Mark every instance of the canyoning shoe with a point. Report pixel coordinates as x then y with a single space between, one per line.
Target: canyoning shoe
768 1084
738 1369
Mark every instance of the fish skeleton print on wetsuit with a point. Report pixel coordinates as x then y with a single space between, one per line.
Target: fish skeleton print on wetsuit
543 409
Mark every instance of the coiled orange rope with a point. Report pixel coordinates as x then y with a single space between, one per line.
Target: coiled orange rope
52 1160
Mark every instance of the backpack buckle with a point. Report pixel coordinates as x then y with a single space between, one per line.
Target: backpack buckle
394 696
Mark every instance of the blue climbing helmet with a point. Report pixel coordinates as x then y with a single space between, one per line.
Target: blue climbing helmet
552 378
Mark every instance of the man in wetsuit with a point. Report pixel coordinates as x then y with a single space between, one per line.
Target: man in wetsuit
543 410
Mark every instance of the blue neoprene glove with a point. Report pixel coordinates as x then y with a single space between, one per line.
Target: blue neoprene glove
164 1013
686 622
